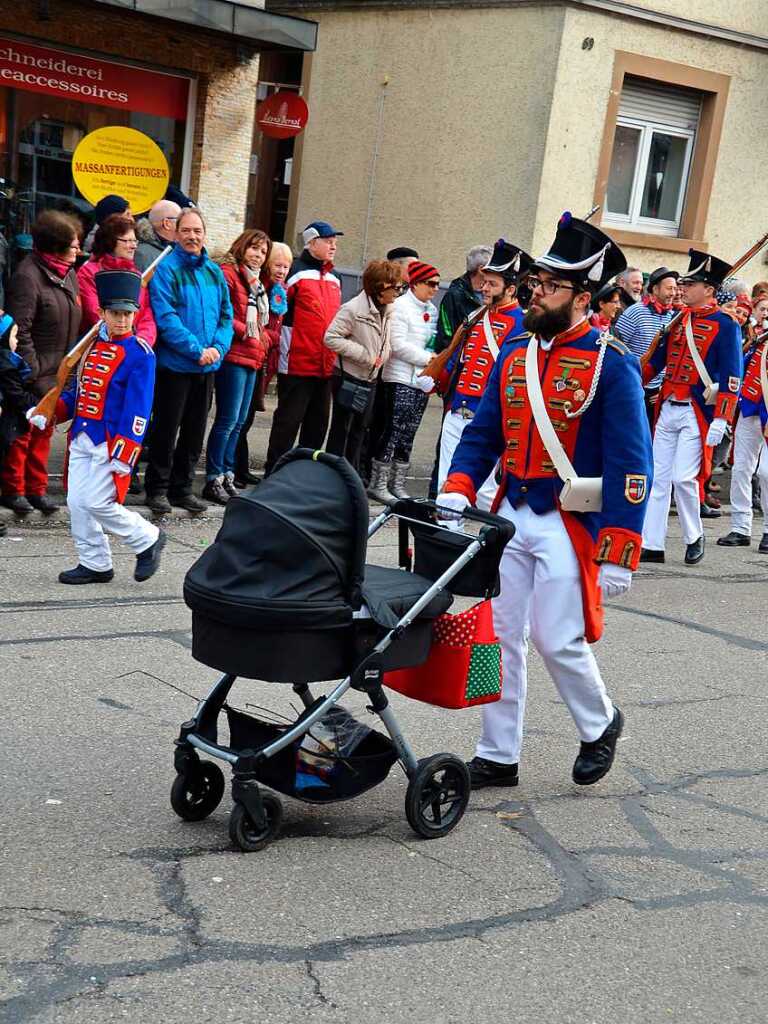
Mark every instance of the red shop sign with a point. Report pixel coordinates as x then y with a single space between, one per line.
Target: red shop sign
282 115
70 76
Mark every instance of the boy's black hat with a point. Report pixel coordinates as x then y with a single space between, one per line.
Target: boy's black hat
118 289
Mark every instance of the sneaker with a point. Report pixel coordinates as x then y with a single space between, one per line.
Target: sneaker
596 758
81 575
148 562
159 503
191 503
216 492
43 503
484 773
17 503
228 484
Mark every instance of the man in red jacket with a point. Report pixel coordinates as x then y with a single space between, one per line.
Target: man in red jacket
305 366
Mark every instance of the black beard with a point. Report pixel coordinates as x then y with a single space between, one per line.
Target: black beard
548 322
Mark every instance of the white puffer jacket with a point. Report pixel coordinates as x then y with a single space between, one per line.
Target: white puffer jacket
414 325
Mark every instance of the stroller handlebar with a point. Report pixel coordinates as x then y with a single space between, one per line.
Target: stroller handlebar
424 510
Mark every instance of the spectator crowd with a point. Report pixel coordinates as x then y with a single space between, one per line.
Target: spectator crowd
349 376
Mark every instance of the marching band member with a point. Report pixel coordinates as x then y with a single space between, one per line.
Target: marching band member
465 376
109 405
564 413
701 360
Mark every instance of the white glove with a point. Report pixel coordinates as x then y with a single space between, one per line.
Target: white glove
716 432
614 580
121 468
425 384
449 509
37 421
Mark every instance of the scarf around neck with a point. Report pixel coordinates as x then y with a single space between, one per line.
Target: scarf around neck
54 263
257 314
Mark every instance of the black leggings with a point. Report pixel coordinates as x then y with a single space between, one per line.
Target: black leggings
404 409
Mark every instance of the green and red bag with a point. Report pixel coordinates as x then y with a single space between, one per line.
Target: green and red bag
464 664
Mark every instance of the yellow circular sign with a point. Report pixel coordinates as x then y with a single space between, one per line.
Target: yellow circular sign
123 162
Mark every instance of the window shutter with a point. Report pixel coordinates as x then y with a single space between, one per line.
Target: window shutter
644 100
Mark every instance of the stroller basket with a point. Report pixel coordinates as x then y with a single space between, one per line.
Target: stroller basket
338 759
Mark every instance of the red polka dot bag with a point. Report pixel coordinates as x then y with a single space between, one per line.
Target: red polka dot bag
464 664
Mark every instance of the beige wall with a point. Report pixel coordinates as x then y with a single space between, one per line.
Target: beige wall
493 123
741 15
463 128
575 131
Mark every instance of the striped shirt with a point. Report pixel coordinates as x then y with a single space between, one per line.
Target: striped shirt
637 326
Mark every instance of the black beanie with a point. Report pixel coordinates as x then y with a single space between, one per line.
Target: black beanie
109 205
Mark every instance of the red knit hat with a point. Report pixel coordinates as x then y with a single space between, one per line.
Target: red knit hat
418 271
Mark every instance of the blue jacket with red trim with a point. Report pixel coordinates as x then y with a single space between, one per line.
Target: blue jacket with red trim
467 372
610 440
751 397
718 340
112 399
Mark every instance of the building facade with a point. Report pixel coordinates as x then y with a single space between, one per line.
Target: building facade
185 74
443 123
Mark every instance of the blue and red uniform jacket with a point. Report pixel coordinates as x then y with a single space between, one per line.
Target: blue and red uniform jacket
612 440
751 397
112 399
718 340
467 372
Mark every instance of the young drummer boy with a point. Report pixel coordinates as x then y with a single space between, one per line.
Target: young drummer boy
109 406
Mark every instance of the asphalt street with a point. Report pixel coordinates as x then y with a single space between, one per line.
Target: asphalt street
641 900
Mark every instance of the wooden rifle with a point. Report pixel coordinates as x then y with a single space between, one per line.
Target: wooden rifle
664 332
47 404
438 363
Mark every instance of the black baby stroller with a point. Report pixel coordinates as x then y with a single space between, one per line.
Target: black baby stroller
284 595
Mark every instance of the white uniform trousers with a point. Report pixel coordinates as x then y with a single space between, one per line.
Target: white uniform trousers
93 508
541 594
453 428
677 456
749 453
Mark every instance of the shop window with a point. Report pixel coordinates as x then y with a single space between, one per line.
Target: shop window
45 162
659 153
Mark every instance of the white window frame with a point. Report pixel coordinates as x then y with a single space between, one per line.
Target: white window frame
633 220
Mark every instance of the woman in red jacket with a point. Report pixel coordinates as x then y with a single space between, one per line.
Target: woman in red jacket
114 248
236 379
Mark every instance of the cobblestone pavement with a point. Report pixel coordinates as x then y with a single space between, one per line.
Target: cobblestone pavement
642 899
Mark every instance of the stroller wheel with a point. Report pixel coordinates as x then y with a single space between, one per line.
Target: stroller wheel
437 795
194 797
245 833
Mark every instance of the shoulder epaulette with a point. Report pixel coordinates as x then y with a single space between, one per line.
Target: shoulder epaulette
615 344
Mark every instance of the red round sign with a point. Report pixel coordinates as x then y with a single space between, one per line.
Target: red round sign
282 115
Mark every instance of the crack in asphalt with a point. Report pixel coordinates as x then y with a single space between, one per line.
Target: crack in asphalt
582 887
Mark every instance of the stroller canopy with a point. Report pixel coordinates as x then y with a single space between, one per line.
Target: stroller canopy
290 553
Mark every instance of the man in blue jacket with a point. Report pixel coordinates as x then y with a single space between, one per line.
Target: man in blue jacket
190 300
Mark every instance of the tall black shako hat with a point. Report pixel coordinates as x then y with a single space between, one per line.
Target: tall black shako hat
118 289
583 254
706 269
510 261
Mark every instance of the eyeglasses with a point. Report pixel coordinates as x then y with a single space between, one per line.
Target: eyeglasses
548 287
127 241
432 284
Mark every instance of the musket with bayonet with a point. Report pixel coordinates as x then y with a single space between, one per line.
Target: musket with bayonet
47 404
665 331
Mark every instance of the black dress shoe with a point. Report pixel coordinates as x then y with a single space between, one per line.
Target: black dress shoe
595 758
82 575
707 512
190 502
17 503
215 491
148 562
648 555
490 773
159 503
249 480
763 545
43 503
695 552
734 540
